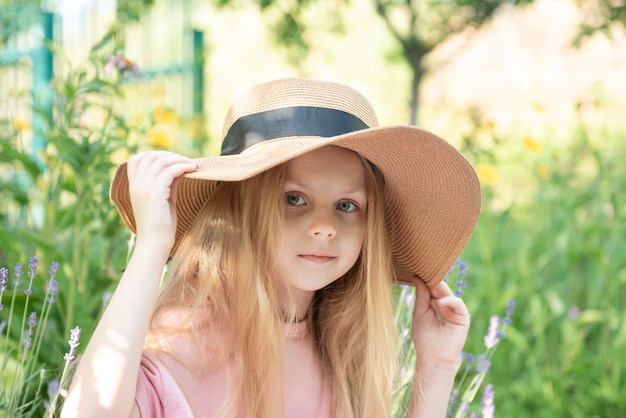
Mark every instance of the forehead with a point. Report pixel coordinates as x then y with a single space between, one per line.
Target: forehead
330 163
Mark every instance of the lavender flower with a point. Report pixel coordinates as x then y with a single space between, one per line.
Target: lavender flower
462 269
4 279
487 402
460 283
28 340
460 288
53 284
17 274
54 266
482 365
33 263
493 336
453 399
468 360
53 289
53 389
510 309
73 343
32 321
2 325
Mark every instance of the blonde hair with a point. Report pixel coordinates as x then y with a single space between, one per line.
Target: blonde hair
221 275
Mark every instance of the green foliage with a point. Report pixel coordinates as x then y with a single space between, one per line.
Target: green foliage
56 195
557 249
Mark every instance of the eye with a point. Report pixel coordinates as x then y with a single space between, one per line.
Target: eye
293 199
346 206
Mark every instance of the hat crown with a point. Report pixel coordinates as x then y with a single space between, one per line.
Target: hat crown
299 92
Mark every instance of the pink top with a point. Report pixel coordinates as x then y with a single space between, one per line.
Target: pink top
167 389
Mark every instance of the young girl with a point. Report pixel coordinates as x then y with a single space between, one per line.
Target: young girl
284 249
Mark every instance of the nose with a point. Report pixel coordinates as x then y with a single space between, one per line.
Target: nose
322 224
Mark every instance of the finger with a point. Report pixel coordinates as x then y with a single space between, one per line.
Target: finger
441 290
156 176
151 165
422 297
452 309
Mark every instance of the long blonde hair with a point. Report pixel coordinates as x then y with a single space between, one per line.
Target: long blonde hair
222 274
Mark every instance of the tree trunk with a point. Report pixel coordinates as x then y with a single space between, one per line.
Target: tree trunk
415 61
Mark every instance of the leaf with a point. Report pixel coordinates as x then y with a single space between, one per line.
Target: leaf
10 154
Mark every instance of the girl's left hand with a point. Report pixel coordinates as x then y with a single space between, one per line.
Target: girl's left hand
440 323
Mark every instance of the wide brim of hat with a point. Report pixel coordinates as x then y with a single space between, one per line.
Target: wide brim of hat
432 193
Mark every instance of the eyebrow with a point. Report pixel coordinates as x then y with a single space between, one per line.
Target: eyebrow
351 188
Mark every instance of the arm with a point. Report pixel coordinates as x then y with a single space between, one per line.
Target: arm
440 326
105 380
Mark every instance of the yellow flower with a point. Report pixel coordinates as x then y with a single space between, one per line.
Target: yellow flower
487 174
160 139
532 144
164 115
21 125
543 171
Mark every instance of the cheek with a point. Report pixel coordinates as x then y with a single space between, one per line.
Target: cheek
355 236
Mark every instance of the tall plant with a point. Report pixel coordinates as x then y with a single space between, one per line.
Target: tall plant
55 196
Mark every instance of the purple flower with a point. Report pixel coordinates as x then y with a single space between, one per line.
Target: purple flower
53 388
453 398
28 341
4 278
17 274
493 336
510 308
33 263
53 289
52 271
125 66
462 269
468 359
32 319
462 273
489 407
460 288
3 324
482 365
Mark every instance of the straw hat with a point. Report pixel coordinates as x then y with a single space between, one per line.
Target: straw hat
432 193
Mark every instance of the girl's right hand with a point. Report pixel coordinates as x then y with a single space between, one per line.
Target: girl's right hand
152 180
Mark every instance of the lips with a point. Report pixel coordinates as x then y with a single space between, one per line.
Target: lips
318 258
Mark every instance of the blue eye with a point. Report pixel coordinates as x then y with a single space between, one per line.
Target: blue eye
294 199
346 206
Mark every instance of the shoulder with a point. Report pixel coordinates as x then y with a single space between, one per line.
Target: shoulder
158 394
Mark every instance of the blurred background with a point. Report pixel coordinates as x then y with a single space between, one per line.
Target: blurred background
532 92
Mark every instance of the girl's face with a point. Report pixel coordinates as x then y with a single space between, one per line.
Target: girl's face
324 223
